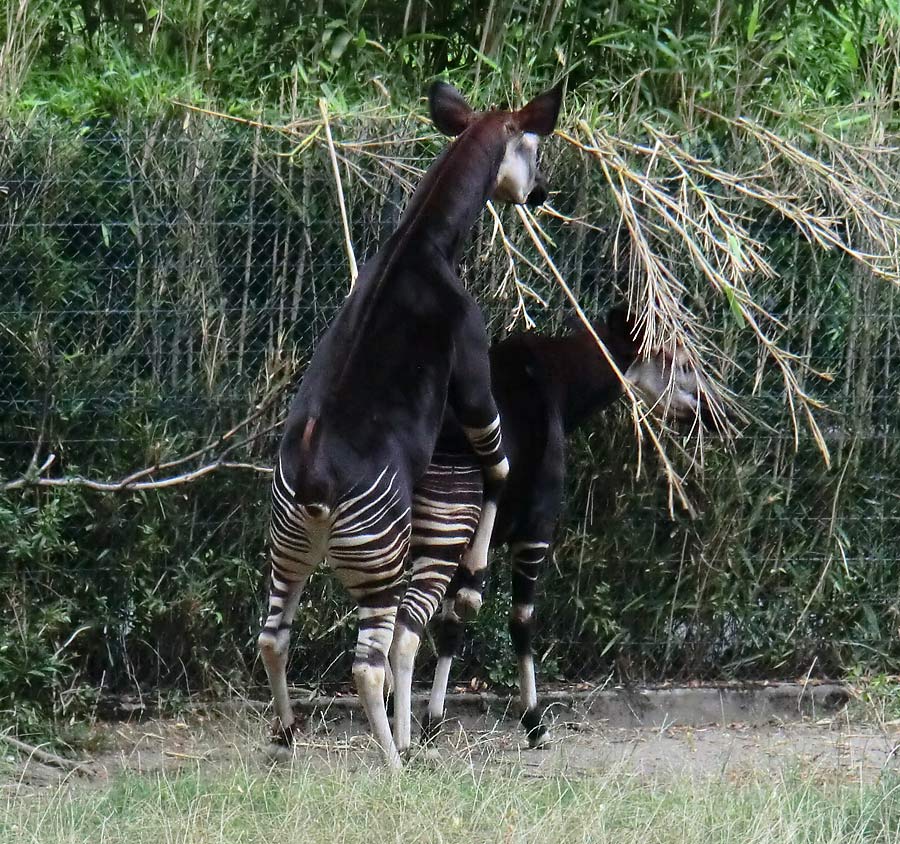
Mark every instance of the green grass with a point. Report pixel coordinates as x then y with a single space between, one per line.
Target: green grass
450 804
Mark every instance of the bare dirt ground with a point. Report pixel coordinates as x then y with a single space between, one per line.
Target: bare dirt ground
831 748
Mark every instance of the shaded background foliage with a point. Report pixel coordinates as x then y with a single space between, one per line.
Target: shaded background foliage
161 271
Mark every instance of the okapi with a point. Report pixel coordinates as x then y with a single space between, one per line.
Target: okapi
352 474
546 387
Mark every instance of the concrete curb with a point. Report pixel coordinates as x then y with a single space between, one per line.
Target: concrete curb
617 708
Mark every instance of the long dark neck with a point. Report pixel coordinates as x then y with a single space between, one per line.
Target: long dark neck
453 192
587 381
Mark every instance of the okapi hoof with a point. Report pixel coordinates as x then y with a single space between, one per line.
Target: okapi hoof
282 740
537 734
467 603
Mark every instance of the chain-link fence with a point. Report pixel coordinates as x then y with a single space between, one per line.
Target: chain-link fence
162 284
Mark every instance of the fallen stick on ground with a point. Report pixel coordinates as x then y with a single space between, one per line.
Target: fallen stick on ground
46 757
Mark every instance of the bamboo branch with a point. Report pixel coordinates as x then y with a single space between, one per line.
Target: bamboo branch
351 258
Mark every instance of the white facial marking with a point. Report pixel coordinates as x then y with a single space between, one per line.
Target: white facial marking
668 384
518 170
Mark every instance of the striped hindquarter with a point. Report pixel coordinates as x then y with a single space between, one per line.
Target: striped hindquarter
365 540
446 511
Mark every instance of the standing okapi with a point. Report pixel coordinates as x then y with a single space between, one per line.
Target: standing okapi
352 475
545 387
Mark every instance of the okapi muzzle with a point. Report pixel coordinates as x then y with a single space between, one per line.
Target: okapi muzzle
673 389
539 192
518 179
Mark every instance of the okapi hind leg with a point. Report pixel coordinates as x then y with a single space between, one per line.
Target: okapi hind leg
449 635
273 642
367 550
445 515
527 559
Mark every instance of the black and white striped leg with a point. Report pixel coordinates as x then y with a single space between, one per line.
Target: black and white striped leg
527 559
273 642
488 445
367 550
376 629
295 550
445 514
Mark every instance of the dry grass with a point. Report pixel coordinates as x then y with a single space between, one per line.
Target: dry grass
452 803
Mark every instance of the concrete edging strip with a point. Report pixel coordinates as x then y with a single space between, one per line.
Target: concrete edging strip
664 706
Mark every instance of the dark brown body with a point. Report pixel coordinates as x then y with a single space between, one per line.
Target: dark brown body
545 387
358 445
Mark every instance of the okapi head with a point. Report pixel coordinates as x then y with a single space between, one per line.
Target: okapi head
666 380
518 179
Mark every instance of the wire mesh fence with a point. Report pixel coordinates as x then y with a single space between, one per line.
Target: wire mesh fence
161 288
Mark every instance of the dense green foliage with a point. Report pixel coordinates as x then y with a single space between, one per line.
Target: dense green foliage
163 270
99 58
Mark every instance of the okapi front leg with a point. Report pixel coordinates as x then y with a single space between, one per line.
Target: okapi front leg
527 559
473 404
487 442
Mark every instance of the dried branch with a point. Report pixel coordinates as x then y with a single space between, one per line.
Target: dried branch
674 201
522 289
125 485
351 258
45 756
134 481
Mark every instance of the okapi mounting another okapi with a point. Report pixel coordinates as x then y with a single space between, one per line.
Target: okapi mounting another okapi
352 475
546 387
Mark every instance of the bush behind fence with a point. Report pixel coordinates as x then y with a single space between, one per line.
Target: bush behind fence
158 282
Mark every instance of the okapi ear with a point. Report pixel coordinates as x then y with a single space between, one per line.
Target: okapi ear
540 115
449 110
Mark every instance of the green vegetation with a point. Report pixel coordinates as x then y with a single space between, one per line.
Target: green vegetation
455 804
91 60
163 271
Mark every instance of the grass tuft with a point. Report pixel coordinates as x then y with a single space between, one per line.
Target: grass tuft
457 803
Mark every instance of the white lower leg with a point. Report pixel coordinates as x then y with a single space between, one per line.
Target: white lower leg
369 681
403 658
527 685
439 688
273 646
274 657
372 645
520 630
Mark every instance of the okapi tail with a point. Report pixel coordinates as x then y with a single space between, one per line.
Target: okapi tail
317 511
313 486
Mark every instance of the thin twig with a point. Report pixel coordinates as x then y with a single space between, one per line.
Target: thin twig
351 258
